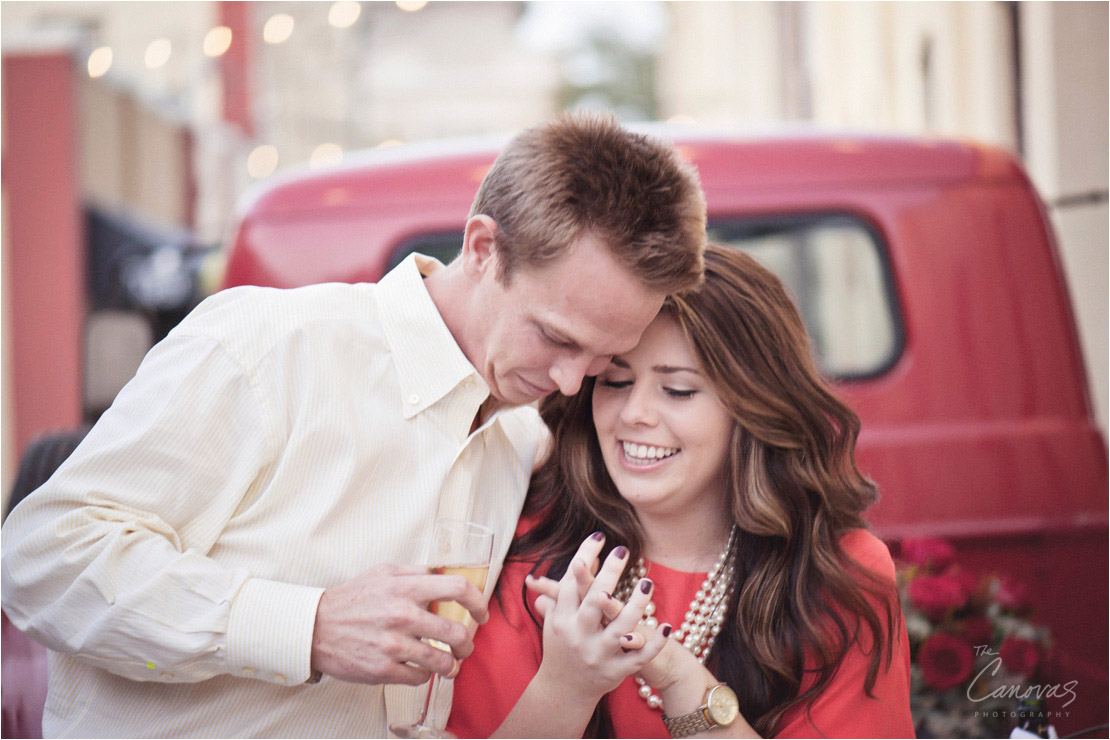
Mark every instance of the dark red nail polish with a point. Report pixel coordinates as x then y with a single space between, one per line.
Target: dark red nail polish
597 536
666 630
621 552
607 594
627 638
645 585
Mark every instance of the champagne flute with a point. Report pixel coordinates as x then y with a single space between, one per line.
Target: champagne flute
458 548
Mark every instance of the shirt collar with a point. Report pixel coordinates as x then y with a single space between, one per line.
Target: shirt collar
429 362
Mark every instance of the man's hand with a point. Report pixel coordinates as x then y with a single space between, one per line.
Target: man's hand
369 629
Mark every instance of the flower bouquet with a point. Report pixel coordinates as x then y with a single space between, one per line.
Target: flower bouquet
976 655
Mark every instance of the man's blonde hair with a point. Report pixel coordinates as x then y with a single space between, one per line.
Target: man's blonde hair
583 172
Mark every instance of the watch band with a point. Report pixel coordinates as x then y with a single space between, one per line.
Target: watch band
704 718
688 724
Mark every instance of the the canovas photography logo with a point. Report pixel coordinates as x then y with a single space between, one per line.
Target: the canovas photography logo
981 689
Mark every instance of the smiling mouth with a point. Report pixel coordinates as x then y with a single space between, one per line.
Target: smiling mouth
638 454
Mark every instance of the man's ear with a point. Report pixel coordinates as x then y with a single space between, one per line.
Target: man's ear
479 248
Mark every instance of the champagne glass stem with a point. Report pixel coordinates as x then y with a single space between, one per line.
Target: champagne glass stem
425 719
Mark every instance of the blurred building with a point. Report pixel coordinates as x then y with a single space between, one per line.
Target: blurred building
187 104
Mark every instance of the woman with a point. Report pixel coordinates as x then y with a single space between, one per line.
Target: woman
713 460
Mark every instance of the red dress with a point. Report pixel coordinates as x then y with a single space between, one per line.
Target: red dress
508 650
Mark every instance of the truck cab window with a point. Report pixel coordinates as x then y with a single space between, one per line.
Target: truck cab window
444 247
835 269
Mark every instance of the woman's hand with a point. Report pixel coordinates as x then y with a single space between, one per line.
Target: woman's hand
585 630
673 664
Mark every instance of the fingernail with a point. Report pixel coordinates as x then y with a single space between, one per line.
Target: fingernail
597 536
666 630
621 552
645 585
607 594
626 638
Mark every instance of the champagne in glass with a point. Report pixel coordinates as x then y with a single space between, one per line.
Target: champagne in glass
460 549
453 610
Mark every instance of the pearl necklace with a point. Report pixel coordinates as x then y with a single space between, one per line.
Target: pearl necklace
702 622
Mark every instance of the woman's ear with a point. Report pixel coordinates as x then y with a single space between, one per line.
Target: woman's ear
479 248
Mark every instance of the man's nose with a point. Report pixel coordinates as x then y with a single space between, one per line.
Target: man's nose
569 372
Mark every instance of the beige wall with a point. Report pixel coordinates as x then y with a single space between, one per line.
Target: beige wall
132 158
447 70
722 63
1065 106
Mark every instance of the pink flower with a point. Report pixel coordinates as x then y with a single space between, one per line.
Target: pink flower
1019 656
968 581
977 631
930 554
945 661
1011 594
935 596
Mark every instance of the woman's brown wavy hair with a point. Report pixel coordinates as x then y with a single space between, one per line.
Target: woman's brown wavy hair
800 603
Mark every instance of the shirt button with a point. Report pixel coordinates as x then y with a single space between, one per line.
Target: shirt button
278 678
248 672
469 385
414 399
167 675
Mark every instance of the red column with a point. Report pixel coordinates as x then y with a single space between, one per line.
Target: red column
44 239
235 66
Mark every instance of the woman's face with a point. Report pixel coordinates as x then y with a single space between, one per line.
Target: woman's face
663 432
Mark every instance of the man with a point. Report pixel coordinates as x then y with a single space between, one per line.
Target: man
248 512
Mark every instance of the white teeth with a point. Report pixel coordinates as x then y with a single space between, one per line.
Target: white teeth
646 453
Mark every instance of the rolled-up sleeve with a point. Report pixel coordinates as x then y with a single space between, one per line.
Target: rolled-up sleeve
109 560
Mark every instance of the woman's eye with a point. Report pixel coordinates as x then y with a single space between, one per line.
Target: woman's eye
676 393
614 383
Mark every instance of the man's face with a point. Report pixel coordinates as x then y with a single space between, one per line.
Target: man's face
552 326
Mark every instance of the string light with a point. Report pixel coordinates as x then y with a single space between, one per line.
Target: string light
100 61
344 13
278 28
263 160
217 41
326 154
158 53
411 6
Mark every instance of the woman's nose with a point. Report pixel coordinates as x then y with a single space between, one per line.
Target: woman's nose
639 408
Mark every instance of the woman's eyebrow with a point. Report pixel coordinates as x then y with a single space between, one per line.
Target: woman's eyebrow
666 369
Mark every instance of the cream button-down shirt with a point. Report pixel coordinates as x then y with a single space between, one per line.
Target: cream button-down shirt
274 444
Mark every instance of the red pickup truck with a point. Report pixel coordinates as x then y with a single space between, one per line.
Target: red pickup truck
930 283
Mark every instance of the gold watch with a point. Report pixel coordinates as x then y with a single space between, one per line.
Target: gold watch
719 709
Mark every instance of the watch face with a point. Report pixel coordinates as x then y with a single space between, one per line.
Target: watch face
723 705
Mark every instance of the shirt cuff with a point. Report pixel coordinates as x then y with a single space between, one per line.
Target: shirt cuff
269 631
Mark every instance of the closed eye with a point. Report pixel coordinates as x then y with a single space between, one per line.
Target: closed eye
563 343
675 393
615 383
